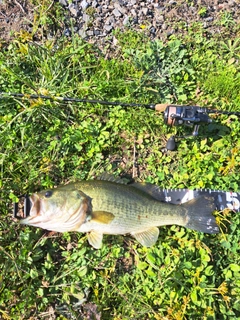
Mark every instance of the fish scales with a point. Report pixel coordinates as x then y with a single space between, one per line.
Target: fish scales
132 208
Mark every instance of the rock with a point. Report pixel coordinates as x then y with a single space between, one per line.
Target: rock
99 9
133 12
135 20
67 32
97 32
85 18
153 30
73 9
117 13
120 8
98 22
110 20
108 27
95 4
89 33
126 21
84 5
231 3
164 26
82 33
208 19
169 33
161 18
63 3
145 11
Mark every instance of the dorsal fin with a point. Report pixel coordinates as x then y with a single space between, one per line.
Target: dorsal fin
151 189
110 177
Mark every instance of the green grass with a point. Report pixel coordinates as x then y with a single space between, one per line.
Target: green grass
186 275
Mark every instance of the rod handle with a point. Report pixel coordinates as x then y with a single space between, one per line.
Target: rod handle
162 106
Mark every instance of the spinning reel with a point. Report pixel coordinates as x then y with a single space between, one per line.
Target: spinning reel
192 116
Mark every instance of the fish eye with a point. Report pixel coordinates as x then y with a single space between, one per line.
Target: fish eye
48 194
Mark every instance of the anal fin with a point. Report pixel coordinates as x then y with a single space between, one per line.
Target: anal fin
95 239
148 237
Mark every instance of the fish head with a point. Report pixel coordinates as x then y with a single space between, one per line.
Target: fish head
62 209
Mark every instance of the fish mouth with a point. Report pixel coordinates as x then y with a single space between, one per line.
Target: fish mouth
33 209
22 208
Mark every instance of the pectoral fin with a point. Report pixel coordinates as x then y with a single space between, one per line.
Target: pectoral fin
95 239
148 237
102 217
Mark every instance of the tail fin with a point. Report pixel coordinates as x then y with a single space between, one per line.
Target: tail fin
200 216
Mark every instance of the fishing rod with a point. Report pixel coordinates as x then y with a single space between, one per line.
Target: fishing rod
174 115
69 99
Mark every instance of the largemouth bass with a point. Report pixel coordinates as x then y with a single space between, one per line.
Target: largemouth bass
106 207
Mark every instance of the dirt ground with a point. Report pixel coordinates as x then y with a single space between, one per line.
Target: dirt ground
14 16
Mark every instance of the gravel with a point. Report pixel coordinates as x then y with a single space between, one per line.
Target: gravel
158 19
95 20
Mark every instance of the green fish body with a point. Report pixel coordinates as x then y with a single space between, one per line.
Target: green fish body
106 207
